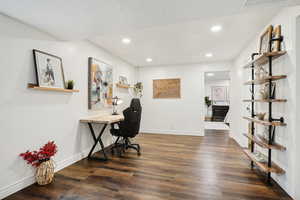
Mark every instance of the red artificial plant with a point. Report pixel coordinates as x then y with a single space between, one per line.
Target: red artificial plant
35 158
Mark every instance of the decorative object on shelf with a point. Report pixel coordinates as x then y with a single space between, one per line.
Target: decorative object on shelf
219 93
42 161
49 70
260 73
100 91
276 34
166 88
264 91
123 80
260 157
261 116
115 102
264 45
70 84
138 89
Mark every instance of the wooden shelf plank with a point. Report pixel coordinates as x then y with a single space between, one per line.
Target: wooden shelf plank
264 58
123 86
265 123
264 143
265 80
264 166
35 87
266 100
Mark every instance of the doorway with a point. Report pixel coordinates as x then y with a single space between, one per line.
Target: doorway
216 100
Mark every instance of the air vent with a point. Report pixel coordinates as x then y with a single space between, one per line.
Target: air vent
260 2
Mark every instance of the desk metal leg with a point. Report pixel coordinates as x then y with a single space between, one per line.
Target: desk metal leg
96 140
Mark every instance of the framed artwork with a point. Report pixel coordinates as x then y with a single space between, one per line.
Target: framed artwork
264 45
123 80
219 93
276 45
166 88
49 70
100 83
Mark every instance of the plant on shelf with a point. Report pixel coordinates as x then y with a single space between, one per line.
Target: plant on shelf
138 89
41 159
70 84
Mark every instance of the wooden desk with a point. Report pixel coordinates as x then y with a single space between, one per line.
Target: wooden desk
105 120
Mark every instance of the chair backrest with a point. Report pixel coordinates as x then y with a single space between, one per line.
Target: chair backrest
132 119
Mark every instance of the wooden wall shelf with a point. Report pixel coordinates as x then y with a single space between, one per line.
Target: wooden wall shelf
265 123
264 58
123 86
264 166
35 87
265 80
264 143
266 100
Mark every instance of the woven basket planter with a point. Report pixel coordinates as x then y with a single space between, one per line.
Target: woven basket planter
45 172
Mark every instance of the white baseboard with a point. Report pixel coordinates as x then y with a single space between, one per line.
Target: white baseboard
27 181
174 132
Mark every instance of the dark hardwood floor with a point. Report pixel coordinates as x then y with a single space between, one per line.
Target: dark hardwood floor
170 168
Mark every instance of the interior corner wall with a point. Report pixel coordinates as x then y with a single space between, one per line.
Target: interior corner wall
185 115
31 118
286 136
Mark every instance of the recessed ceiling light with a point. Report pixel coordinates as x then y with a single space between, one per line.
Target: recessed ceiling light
149 59
210 74
216 28
126 40
209 55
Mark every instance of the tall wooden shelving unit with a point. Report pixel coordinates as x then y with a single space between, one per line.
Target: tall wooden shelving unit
269 144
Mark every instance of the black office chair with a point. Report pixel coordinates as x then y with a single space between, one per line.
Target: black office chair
128 128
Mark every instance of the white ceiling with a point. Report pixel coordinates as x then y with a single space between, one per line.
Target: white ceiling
169 31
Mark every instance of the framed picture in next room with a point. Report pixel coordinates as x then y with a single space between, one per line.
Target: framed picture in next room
49 70
100 84
219 93
166 88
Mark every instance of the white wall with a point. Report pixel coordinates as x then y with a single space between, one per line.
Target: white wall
285 89
176 116
30 118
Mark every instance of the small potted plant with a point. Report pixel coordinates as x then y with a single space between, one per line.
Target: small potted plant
138 89
207 103
70 84
41 159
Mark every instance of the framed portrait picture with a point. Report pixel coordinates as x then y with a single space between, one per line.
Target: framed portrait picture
123 80
219 93
49 70
264 44
100 84
276 45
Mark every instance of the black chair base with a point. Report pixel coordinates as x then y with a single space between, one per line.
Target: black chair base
124 145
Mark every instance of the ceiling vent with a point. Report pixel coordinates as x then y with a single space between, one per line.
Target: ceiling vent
260 2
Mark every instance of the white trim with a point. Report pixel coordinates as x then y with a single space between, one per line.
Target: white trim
173 132
27 181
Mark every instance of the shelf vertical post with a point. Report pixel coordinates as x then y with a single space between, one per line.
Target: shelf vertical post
252 105
270 113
